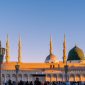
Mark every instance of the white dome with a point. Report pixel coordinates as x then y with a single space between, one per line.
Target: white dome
51 59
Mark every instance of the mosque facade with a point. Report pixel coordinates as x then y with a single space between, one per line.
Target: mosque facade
50 70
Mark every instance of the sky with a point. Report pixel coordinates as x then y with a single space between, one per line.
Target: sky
36 20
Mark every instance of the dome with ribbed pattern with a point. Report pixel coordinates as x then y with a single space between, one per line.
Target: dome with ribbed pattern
76 54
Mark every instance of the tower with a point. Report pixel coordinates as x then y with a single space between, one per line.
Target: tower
0 43
51 48
51 58
64 50
2 52
19 50
7 50
0 48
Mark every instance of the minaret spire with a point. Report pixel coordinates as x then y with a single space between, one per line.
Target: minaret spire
7 50
51 48
19 50
64 49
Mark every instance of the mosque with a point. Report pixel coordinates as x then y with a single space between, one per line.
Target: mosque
50 70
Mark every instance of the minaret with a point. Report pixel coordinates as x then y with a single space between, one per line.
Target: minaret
0 48
64 50
7 50
0 43
19 50
51 48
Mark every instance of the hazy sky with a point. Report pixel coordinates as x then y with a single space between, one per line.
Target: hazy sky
36 20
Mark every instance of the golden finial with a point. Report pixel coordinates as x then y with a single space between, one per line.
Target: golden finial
19 50
7 50
51 48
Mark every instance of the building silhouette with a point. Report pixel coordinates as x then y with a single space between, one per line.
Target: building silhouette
50 70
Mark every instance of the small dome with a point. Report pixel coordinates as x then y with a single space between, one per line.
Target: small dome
51 59
76 54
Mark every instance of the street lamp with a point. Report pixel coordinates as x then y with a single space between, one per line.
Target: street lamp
17 70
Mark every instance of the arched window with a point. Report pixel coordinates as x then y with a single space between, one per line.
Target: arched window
25 77
54 77
50 66
60 77
19 77
72 77
83 77
53 66
14 77
8 77
48 78
77 77
3 77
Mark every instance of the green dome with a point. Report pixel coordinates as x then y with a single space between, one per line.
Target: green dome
76 54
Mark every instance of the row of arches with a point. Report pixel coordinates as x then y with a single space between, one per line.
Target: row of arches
61 77
13 77
48 77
